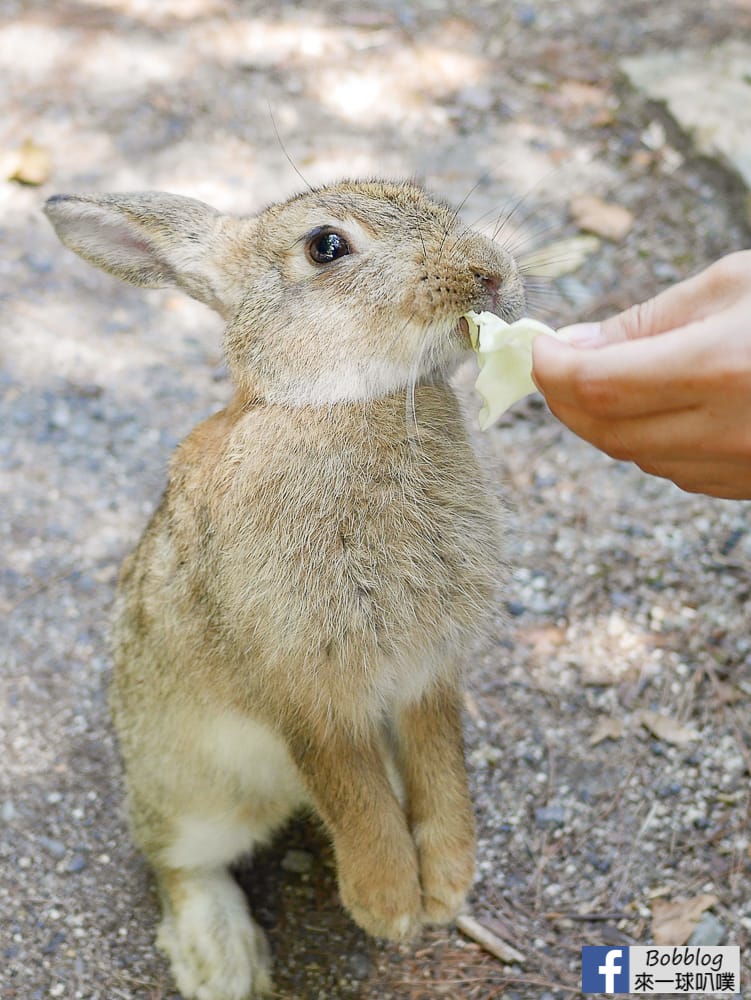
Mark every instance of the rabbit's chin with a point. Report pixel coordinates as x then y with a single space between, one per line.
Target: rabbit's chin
353 382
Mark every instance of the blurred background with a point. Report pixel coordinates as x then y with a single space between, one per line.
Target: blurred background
607 722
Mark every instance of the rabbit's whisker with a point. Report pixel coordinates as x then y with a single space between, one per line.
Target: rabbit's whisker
506 214
483 178
285 151
504 220
422 240
523 238
424 348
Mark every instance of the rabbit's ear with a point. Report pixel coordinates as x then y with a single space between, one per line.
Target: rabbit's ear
153 240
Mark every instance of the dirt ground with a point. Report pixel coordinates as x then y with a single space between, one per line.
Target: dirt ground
607 723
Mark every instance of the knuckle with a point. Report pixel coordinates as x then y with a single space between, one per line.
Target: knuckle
690 484
654 469
639 320
729 272
610 440
685 476
618 449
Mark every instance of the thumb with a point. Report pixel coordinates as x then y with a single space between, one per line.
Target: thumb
642 320
672 309
645 319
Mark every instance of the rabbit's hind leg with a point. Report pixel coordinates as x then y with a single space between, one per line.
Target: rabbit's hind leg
216 950
232 785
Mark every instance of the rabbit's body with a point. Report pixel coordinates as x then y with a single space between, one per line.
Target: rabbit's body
291 626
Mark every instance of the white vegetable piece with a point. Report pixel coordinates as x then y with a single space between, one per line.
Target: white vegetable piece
504 353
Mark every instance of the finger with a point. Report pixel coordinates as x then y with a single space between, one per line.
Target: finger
709 360
669 310
677 306
635 378
669 451
582 335
728 481
691 435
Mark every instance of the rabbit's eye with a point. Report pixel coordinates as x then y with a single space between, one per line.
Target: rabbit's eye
323 248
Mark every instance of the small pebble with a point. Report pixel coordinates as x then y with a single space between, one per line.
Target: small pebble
76 864
709 931
299 862
548 816
55 847
358 965
526 15
54 943
669 790
38 263
599 863
476 98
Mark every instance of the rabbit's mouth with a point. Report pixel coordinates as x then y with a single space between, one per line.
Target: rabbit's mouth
462 328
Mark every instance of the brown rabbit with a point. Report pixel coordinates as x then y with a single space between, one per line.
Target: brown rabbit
290 629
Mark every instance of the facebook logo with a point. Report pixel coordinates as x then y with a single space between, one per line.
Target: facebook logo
605 970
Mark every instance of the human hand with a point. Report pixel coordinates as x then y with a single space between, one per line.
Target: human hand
665 384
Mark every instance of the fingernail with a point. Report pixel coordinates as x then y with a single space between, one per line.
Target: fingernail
581 334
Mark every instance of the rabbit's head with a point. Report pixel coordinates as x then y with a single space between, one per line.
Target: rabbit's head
347 292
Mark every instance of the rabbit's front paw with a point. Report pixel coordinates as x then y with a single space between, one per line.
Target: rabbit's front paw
216 951
384 899
447 866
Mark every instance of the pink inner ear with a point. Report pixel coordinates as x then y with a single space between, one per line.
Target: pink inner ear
116 245
143 239
115 235
133 242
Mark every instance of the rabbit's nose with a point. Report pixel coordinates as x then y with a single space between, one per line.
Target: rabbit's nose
490 282
490 286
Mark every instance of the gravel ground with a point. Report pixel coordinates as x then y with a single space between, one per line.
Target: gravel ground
606 722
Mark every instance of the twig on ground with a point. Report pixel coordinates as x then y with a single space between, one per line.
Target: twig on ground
494 945
621 886
737 728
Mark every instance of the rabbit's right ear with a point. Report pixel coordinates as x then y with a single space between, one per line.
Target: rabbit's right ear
154 240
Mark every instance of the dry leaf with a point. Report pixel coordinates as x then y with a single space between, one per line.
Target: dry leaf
545 640
666 729
559 258
727 694
606 671
30 164
579 102
602 117
673 923
607 728
603 218
576 94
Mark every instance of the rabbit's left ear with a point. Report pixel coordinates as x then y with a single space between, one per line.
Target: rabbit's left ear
154 240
